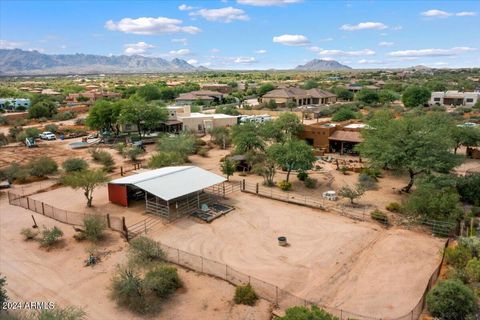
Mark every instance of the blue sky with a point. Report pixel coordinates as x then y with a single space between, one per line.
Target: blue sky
252 34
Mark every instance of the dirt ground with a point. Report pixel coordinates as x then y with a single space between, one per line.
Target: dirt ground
356 266
33 274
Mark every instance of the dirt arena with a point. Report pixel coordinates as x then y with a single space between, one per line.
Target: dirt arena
356 266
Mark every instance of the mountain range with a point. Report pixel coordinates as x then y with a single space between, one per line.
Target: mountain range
21 62
322 65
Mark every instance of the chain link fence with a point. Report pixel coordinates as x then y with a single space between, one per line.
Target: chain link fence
62 215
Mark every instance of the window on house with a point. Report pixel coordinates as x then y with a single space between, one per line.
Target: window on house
436 99
470 100
128 127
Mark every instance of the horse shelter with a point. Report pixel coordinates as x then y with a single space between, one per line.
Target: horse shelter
170 192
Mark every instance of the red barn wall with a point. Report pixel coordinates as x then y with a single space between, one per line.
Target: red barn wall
117 193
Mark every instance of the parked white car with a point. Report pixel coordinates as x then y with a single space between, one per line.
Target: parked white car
330 195
47 135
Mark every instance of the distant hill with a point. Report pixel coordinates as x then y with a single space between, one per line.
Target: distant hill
21 62
322 65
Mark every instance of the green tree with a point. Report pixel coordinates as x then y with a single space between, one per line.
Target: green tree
469 188
343 114
465 136
228 167
267 170
246 137
145 116
221 136
74 164
451 300
149 92
184 144
343 93
42 166
351 193
416 144
87 180
387 96
294 154
368 96
104 115
310 84
304 313
264 88
289 124
415 96
42 109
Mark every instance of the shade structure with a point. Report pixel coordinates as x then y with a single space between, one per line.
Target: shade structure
172 182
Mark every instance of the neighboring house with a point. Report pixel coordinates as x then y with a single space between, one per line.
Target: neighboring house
180 118
299 97
219 87
454 98
333 137
50 92
353 87
11 104
205 96
92 96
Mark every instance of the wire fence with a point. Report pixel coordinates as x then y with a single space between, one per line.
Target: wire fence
359 212
62 215
281 298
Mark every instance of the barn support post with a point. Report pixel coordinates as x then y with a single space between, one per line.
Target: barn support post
108 221
168 208
256 188
198 199
243 185
223 186
121 171
125 229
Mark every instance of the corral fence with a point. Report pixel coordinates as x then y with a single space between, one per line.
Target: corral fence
62 215
281 298
361 213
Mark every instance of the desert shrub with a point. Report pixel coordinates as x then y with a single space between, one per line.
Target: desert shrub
379 216
74 164
458 256
28 233
51 127
104 158
162 281
80 236
451 300
16 172
21 137
80 122
94 227
67 313
367 182
343 170
245 295
133 153
3 121
310 183
302 175
120 147
472 243
372 172
42 166
304 313
144 250
50 236
32 132
127 290
284 185
203 152
393 207
165 159
67 115
3 291
3 139
473 270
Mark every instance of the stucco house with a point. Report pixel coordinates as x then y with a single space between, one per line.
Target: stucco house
205 96
299 96
454 98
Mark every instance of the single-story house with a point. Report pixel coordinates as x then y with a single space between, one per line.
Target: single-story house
454 98
13 103
299 97
219 87
205 96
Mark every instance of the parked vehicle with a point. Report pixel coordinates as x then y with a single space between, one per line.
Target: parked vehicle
30 143
330 195
47 135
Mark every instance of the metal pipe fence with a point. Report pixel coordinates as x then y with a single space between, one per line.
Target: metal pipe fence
62 215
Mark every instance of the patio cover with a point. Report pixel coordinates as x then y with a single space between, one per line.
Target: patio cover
172 182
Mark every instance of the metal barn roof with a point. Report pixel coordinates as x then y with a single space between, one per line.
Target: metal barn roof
172 182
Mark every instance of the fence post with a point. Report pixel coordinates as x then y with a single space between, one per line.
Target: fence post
276 295
256 188
202 263
121 171
28 203
125 229
108 221
43 209
178 256
145 225
243 185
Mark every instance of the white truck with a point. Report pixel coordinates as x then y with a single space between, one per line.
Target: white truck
47 135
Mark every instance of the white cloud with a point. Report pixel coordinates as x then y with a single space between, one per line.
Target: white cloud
435 13
7 44
266 3
137 48
215 50
63 47
386 44
184 7
182 41
291 40
431 52
179 53
244 60
342 53
261 51
441 63
192 61
150 26
364 26
326 39
365 61
225 15
466 14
